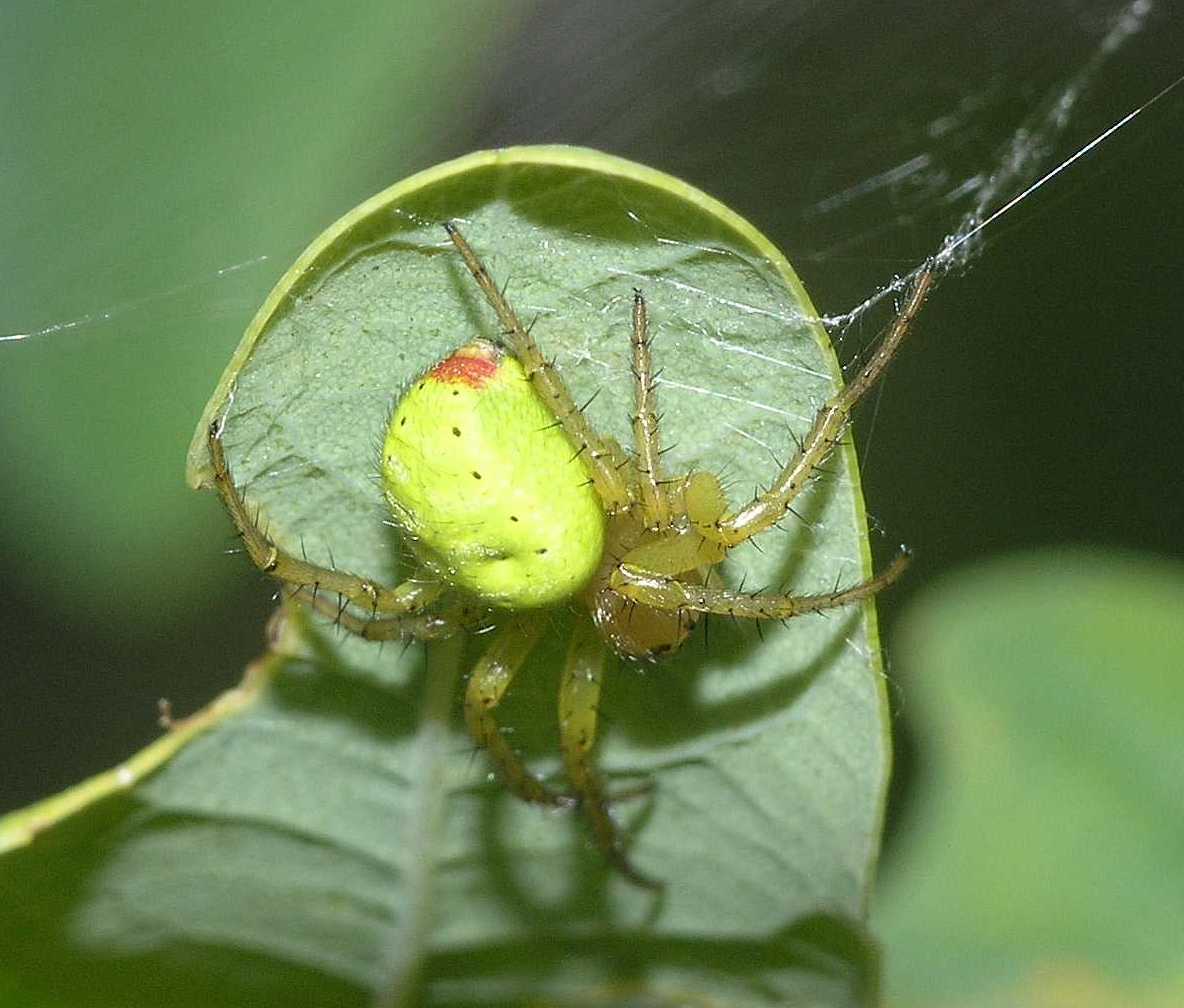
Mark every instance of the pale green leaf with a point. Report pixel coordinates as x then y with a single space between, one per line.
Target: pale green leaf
340 833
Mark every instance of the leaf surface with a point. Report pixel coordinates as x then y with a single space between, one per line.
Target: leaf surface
338 833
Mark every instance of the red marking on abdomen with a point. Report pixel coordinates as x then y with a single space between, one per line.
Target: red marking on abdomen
467 365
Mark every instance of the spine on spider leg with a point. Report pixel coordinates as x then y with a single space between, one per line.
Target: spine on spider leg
829 422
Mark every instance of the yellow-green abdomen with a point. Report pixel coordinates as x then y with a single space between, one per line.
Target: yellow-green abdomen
485 484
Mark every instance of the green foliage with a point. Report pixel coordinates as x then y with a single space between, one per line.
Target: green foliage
1043 859
135 195
329 832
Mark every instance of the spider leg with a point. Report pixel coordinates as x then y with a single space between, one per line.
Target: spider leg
490 679
579 698
317 586
829 422
379 628
669 595
646 439
602 461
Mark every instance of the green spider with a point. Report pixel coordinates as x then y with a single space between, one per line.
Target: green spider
511 502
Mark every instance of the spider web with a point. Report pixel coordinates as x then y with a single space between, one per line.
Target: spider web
938 182
864 142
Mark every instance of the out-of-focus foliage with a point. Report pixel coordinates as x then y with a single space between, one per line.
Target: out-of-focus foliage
1041 861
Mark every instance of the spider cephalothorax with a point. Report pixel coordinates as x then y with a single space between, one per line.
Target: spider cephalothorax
511 503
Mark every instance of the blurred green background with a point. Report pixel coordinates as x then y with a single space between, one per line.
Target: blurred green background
165 163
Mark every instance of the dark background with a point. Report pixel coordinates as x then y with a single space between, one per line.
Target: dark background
1040 402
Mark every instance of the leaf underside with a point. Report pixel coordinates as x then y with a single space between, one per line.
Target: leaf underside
293 846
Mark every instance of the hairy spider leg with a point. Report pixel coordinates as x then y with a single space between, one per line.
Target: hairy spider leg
831 419
422 627
579 708
675 549
603 459
491 677
664 593
646 436
402 606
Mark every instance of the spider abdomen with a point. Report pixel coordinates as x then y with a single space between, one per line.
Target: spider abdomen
486 485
